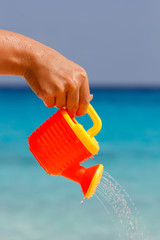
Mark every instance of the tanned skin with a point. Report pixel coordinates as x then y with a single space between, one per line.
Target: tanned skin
55 79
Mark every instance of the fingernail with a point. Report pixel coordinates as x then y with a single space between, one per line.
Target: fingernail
91 97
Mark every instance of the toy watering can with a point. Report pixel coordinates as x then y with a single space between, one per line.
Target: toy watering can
61 144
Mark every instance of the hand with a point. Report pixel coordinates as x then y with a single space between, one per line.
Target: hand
57 81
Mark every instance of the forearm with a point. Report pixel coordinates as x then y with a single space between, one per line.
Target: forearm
14 53
55 79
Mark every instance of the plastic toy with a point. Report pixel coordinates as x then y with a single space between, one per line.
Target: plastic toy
61 144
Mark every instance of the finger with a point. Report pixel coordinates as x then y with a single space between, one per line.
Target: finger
72 102
61 100
84 99
49 101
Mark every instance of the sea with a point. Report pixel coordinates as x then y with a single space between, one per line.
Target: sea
37 206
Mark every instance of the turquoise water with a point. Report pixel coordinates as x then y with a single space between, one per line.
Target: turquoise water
36 206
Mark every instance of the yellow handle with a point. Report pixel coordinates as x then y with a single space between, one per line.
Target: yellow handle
97 123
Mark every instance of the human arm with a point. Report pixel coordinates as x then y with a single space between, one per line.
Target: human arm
55 79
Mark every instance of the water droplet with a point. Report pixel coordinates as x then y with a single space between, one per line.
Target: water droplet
83 200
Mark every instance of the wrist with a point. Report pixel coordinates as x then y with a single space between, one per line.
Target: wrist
32 53
25 56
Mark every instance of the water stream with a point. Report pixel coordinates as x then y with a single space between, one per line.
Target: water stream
122 210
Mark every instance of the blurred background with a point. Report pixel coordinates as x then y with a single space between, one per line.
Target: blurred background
117 42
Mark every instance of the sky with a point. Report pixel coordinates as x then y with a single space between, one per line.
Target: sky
116 41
